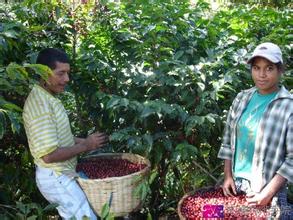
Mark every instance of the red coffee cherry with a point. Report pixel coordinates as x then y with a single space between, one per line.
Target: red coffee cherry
233 207
101 168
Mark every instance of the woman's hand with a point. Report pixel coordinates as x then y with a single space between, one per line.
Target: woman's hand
265 196
258 199
229 187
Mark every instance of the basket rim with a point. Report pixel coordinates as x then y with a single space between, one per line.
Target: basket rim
188 194
116 178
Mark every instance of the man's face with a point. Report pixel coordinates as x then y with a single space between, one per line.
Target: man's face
57 82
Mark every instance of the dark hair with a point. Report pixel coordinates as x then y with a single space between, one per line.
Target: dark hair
281 67
50 56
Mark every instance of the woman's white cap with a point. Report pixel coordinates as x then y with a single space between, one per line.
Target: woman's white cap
270 51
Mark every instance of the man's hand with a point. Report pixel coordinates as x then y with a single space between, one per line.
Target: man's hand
81 145
95 140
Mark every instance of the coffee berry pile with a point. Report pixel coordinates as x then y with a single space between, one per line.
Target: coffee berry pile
101 168
213 203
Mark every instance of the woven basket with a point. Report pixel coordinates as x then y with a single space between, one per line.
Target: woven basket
118 190
206 189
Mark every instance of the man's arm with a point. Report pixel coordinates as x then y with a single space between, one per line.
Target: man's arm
78 140
92 142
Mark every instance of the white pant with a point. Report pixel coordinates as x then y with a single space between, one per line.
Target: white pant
64 191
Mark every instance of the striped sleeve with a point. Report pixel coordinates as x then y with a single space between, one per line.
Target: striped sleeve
41 125
43 135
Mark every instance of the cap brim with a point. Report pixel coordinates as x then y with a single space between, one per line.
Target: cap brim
266 56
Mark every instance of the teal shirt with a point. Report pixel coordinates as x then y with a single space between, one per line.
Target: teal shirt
246 133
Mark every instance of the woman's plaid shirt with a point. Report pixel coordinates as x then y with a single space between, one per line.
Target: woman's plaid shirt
274 141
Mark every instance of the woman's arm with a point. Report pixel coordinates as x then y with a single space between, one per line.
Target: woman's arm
229 188
265 196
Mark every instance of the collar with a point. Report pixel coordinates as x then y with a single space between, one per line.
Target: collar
283 93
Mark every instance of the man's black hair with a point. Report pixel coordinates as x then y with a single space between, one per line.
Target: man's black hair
50 56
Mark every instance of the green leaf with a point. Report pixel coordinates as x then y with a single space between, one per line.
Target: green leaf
158 153
147 111
2 123
15 121
11 34
16 72
178 54
149 140
134 143
50 207
11 107
167 144
42 70
25 157
114 101
20 216
117 136
111 216
210 118
168 109
5 217
4 83
138 191
201 86
33 217
184 151
149 217
193 122
105 211
22 207
124 102
153 175
122 135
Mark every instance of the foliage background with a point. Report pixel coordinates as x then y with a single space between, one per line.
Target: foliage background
158 76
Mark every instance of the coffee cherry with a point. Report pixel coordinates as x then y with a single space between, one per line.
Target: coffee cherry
193 206
100 168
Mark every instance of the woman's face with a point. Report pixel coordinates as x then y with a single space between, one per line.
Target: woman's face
265 75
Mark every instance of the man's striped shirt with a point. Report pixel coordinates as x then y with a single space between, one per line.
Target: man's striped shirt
47 128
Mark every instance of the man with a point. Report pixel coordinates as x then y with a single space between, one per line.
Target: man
51 142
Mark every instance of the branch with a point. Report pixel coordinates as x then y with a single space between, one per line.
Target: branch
205 171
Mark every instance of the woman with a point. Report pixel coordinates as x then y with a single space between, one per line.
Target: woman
258 138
